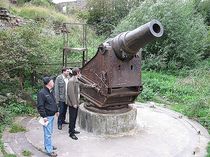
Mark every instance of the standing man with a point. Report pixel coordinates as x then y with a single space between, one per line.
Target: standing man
73 98
61 95
47 108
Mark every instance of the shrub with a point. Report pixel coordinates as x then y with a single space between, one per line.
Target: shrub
185 34
26 153
42 14
45 3
17 128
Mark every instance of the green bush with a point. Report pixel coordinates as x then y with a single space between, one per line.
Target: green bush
105 15
185 34
20 109
42 14
187 94
45 3
26 153
4 3
15 128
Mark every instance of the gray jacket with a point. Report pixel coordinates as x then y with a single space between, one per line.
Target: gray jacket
60 89
74 91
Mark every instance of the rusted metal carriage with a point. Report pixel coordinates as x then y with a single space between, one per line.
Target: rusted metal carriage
116 68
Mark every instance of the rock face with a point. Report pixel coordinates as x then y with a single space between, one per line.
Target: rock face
106 124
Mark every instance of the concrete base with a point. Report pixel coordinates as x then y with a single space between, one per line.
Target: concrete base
108 124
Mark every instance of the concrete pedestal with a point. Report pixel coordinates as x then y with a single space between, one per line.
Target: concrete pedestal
106 124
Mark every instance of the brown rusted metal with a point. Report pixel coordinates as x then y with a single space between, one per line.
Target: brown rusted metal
116 68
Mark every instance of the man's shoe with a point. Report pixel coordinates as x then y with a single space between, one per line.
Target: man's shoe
54 148
59 127
76 132
65 122
53 154
73 136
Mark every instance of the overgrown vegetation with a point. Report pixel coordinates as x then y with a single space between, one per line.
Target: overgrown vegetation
105 15
185 34
26 153
15 128
8 111
176 67
186 91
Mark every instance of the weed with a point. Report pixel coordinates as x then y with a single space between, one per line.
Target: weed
15 128
26 153
9 155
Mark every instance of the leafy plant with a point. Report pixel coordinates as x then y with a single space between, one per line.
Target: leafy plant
26 153
10 155
17 128
185 33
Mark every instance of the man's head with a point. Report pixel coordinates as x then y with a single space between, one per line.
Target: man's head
48 82
76 71
65 71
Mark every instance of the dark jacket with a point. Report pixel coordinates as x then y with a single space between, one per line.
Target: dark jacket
46 104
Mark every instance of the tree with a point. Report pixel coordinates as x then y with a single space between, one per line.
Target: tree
105 15
20 52
185 33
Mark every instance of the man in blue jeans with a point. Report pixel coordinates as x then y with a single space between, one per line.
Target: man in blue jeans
60 95
47 108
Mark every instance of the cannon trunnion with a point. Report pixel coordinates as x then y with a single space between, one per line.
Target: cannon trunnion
116 68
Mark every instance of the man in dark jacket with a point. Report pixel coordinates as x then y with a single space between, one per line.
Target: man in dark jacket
47 108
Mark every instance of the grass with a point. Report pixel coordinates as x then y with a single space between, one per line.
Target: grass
9 155
8 113
186 92
15 128
26 153
208 150
42 14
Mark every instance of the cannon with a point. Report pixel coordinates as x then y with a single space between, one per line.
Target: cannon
116 69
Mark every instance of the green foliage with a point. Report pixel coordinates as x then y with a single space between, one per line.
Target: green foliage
207 52
20 109
4 3
105 15
15 128
19 49
26 153
187 94
42 3
208 150
41 14
185 34
10 155
204 8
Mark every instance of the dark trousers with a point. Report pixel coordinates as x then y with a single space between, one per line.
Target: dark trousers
72 118
62 112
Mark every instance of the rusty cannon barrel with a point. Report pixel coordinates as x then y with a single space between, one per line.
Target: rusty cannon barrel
116 68
127 44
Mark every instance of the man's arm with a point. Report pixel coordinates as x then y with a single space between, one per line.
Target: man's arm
86 85
40 104
71 94
56 90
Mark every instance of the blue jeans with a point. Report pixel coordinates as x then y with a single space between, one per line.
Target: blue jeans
62 112
48 130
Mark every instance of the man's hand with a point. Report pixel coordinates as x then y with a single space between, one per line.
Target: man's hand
75 106
57 114
45 119
93 85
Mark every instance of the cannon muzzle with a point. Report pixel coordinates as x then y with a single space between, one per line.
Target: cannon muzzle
127 44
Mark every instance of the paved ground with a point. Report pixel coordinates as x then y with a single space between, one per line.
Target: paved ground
159 133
